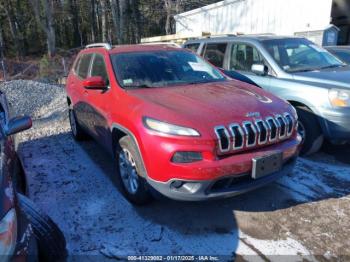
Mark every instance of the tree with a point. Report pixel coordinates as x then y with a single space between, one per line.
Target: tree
43 10
30 25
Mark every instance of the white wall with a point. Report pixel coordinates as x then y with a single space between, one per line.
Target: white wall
283 17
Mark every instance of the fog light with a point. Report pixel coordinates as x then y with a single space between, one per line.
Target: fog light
187 157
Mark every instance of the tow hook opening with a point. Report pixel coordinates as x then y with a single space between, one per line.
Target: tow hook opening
185 187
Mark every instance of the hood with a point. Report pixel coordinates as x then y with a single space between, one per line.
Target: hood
335 77
211 103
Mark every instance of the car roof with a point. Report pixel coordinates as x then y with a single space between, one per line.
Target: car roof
134 48
338 47
241 37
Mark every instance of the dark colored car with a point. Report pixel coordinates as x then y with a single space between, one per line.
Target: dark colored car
342 52
177 125
26 234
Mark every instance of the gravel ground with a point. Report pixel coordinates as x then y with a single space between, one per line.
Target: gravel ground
302 216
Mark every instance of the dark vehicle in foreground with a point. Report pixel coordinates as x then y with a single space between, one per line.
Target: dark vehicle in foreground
177 125
26 234
313 80
342 52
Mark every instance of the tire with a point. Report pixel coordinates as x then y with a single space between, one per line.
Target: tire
77 132
50 239
310 130
131 172
19 180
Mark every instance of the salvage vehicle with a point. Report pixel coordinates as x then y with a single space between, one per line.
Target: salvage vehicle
342 52
314 81
26 233
176 125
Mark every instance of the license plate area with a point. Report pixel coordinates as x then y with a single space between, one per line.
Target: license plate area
266 165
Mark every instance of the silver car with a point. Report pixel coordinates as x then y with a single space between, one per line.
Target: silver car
313 80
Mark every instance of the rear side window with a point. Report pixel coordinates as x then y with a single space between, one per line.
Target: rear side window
193 47
215 53
84 64
98 67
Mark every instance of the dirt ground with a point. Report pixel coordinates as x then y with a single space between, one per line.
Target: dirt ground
303 216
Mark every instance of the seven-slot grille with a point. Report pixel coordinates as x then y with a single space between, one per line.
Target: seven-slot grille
252 133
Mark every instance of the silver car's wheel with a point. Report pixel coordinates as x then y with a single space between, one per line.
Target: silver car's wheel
128 173
301 130
310 131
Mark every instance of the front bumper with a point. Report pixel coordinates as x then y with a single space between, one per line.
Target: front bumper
337 124
225 187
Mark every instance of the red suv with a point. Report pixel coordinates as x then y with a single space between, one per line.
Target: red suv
177 125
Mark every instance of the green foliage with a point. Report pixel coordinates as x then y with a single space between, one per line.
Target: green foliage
50 68
44 66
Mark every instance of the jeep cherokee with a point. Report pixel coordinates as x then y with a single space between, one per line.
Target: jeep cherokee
177 125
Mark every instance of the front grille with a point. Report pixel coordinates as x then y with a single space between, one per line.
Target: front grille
273 128
282 126
237 135
249 134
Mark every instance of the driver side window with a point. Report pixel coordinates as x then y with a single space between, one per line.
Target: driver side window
243 56
98 68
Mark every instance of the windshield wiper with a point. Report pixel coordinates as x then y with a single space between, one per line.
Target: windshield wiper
138 86
205 81
303 70
331 66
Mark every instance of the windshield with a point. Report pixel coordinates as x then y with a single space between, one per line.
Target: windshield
162 68
298 55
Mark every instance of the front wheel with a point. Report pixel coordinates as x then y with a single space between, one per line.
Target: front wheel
310 131
131 182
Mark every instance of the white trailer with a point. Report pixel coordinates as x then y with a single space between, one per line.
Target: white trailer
282 17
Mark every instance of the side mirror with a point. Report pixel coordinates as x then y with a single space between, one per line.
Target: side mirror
259 69
18 124
95 83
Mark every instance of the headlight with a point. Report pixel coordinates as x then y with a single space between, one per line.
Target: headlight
339 97
167 128
8 233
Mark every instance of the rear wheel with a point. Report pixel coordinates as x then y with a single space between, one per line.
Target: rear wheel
310 131
77 132
50 239
131 173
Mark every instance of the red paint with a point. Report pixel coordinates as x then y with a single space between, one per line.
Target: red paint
200 106
94 82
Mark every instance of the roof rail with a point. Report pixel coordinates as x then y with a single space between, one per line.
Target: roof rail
220 35
104 45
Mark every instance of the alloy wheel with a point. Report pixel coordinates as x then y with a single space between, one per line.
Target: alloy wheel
128 173
301 130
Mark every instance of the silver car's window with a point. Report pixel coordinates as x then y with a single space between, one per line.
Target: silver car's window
215 53
298 55
193 47
243 56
